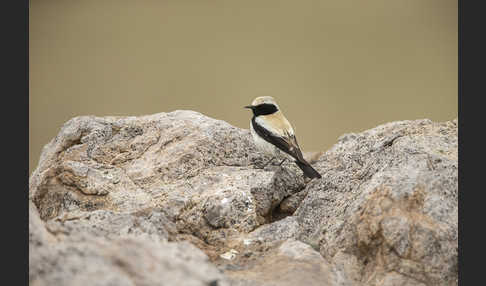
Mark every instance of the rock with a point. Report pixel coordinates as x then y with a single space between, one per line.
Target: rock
152 224
82 258
292 263
387 204
136 183
229 255
200 171
278 231
179 198
290 204
38 234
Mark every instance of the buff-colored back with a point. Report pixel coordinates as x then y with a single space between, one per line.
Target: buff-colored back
276 121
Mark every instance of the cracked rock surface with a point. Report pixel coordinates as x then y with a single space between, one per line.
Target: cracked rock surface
180 199
386 212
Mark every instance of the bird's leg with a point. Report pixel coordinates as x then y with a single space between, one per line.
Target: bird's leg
280 164
268 162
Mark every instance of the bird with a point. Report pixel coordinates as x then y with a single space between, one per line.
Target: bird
273 135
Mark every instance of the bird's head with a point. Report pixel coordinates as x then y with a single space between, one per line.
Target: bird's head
263 105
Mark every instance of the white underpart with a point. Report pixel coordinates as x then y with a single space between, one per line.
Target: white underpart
265 146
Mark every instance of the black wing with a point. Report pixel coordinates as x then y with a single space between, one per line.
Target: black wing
287 144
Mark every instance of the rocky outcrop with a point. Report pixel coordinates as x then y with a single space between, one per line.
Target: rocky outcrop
63 258
180 199
385 212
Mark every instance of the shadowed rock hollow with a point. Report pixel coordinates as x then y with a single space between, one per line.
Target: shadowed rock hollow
179 199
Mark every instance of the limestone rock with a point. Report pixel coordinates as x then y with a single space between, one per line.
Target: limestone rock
134 200
291 263
386 206
84 258
151 224
201 172
109 188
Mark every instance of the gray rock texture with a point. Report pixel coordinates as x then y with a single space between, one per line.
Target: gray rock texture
291 263
76 256
386 208
180 199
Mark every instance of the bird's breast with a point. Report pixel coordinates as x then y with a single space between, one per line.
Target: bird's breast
261 143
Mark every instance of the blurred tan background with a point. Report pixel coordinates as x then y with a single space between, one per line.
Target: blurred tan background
334 66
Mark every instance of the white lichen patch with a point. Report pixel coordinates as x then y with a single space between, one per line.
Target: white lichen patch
230 255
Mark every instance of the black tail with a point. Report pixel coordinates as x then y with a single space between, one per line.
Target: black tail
309 172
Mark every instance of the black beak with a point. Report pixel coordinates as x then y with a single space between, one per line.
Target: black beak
249 106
